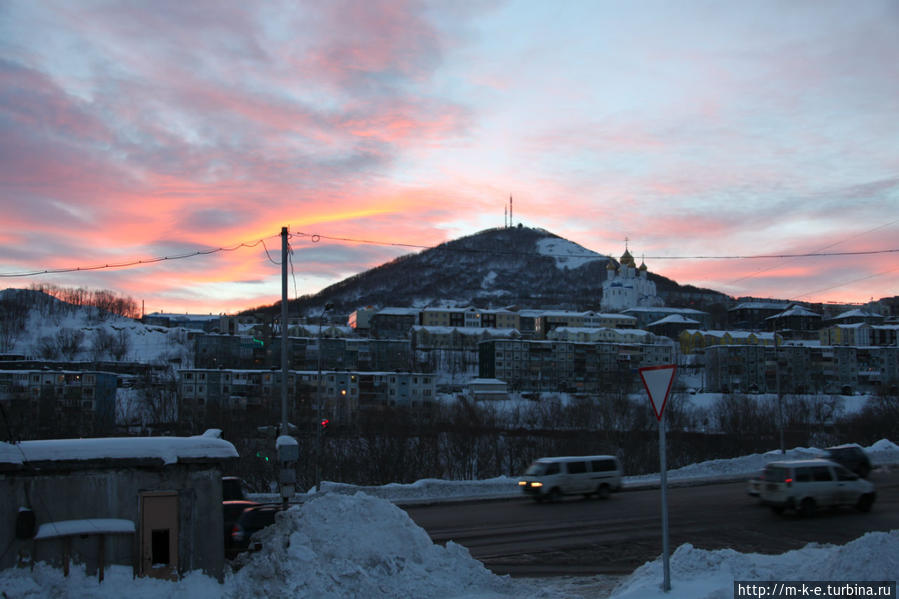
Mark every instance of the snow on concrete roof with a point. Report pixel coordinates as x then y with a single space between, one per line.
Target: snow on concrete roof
664 310
168 449
399 311
464 330
796 310
674 319
759 306
66 528
857 313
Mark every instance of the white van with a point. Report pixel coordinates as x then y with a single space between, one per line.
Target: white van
551 478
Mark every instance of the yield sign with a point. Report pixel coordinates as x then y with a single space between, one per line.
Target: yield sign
657 381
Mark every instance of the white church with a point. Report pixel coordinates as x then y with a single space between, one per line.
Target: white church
628 286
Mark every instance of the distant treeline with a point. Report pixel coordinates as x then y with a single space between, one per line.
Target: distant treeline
103 300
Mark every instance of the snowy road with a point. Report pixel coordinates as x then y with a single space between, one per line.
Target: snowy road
579 536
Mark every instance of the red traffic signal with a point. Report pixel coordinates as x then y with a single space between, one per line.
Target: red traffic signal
325 423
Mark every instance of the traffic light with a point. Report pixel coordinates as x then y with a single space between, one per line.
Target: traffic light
325 423
261 456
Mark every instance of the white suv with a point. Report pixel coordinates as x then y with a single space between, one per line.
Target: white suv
804 485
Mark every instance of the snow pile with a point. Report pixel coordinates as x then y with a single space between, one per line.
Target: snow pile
883 452
699 573
360 546
46 582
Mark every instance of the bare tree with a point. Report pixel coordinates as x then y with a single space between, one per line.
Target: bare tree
121 346
70 342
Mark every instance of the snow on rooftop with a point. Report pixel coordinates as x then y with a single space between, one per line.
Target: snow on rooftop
169 449
796 310
674 319
64 528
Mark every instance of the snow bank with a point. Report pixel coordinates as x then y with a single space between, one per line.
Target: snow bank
433 489
360 546
337 546
884 452
699 573
46 582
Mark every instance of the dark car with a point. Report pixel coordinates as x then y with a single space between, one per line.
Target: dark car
231 511
251 520
852 457
232 488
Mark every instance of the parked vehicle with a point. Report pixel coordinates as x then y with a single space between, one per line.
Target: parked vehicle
232 489
231 511
805 485
851 456
251 520
551 478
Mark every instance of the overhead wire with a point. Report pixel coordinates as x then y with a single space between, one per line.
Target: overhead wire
821 249
317 238
139 262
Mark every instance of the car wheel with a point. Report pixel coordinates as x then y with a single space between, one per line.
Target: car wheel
807 507
865 502
555 495
603 491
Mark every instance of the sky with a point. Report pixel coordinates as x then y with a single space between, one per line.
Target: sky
705 133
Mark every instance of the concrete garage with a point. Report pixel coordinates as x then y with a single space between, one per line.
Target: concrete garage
152 503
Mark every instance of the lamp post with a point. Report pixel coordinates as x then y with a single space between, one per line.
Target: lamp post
780 407
318 403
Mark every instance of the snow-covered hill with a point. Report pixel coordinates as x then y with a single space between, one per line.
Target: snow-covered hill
53 330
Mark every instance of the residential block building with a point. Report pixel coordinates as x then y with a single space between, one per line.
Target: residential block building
59 403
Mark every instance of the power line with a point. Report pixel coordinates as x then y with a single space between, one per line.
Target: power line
821 249
315 238
139 262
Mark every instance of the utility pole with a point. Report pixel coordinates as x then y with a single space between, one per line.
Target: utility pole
286 446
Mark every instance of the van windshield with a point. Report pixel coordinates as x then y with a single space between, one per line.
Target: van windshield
536 469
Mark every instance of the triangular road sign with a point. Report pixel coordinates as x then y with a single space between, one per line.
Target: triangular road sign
657 381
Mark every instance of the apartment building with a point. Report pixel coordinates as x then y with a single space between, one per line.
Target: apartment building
564 366
255 395
59 403
800 368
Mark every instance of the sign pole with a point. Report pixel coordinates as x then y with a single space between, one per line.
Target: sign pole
657 380
663 473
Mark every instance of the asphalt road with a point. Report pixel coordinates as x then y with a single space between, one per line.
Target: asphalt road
614 536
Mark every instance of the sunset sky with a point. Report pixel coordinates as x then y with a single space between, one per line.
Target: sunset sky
139 130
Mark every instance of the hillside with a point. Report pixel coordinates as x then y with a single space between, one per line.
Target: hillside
499 267
38 326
